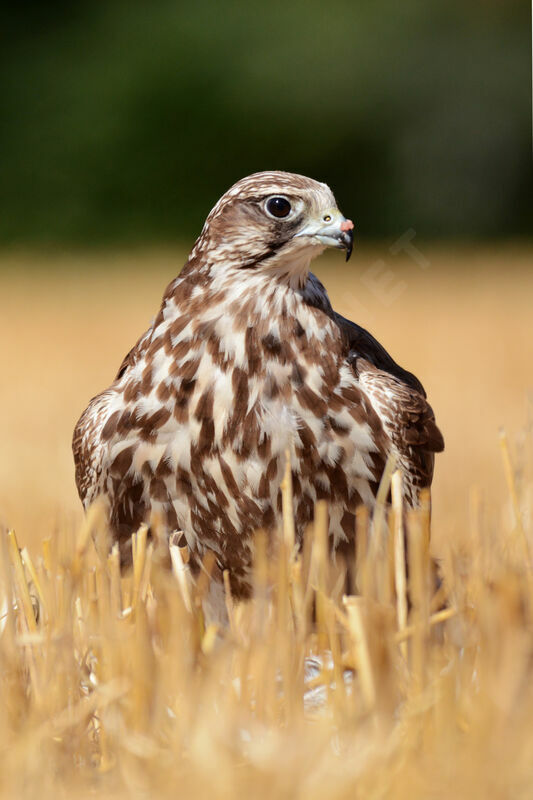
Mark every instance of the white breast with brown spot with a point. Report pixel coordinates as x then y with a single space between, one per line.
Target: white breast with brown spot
287 401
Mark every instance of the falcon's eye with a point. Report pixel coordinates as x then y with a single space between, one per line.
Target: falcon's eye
278 207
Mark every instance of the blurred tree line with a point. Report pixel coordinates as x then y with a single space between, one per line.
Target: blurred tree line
125 120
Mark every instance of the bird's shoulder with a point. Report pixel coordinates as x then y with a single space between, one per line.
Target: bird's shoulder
362 345
86 445
397 396
135 354
89 438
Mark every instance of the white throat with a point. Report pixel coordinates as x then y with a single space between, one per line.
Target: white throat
293 268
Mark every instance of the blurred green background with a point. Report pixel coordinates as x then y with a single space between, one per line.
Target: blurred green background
124 121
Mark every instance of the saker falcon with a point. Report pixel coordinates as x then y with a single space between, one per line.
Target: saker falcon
245 360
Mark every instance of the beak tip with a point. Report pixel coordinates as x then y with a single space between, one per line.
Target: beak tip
347 239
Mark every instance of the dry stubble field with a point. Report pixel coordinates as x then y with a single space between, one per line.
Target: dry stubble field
145 699
464 325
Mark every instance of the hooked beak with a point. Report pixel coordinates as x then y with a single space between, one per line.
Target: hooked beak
333 230
346 236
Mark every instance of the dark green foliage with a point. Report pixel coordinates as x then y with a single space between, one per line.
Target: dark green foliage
125 120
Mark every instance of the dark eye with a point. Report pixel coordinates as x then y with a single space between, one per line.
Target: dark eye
278 207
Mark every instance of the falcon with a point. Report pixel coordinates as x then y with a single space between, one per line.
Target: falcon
246 361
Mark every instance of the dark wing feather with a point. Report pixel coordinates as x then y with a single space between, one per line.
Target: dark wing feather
362 343
400 401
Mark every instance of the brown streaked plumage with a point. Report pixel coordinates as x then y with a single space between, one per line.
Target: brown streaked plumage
246 359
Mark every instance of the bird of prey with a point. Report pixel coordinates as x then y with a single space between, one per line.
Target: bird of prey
245 361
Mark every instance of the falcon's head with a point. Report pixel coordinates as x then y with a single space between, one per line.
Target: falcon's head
273 221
